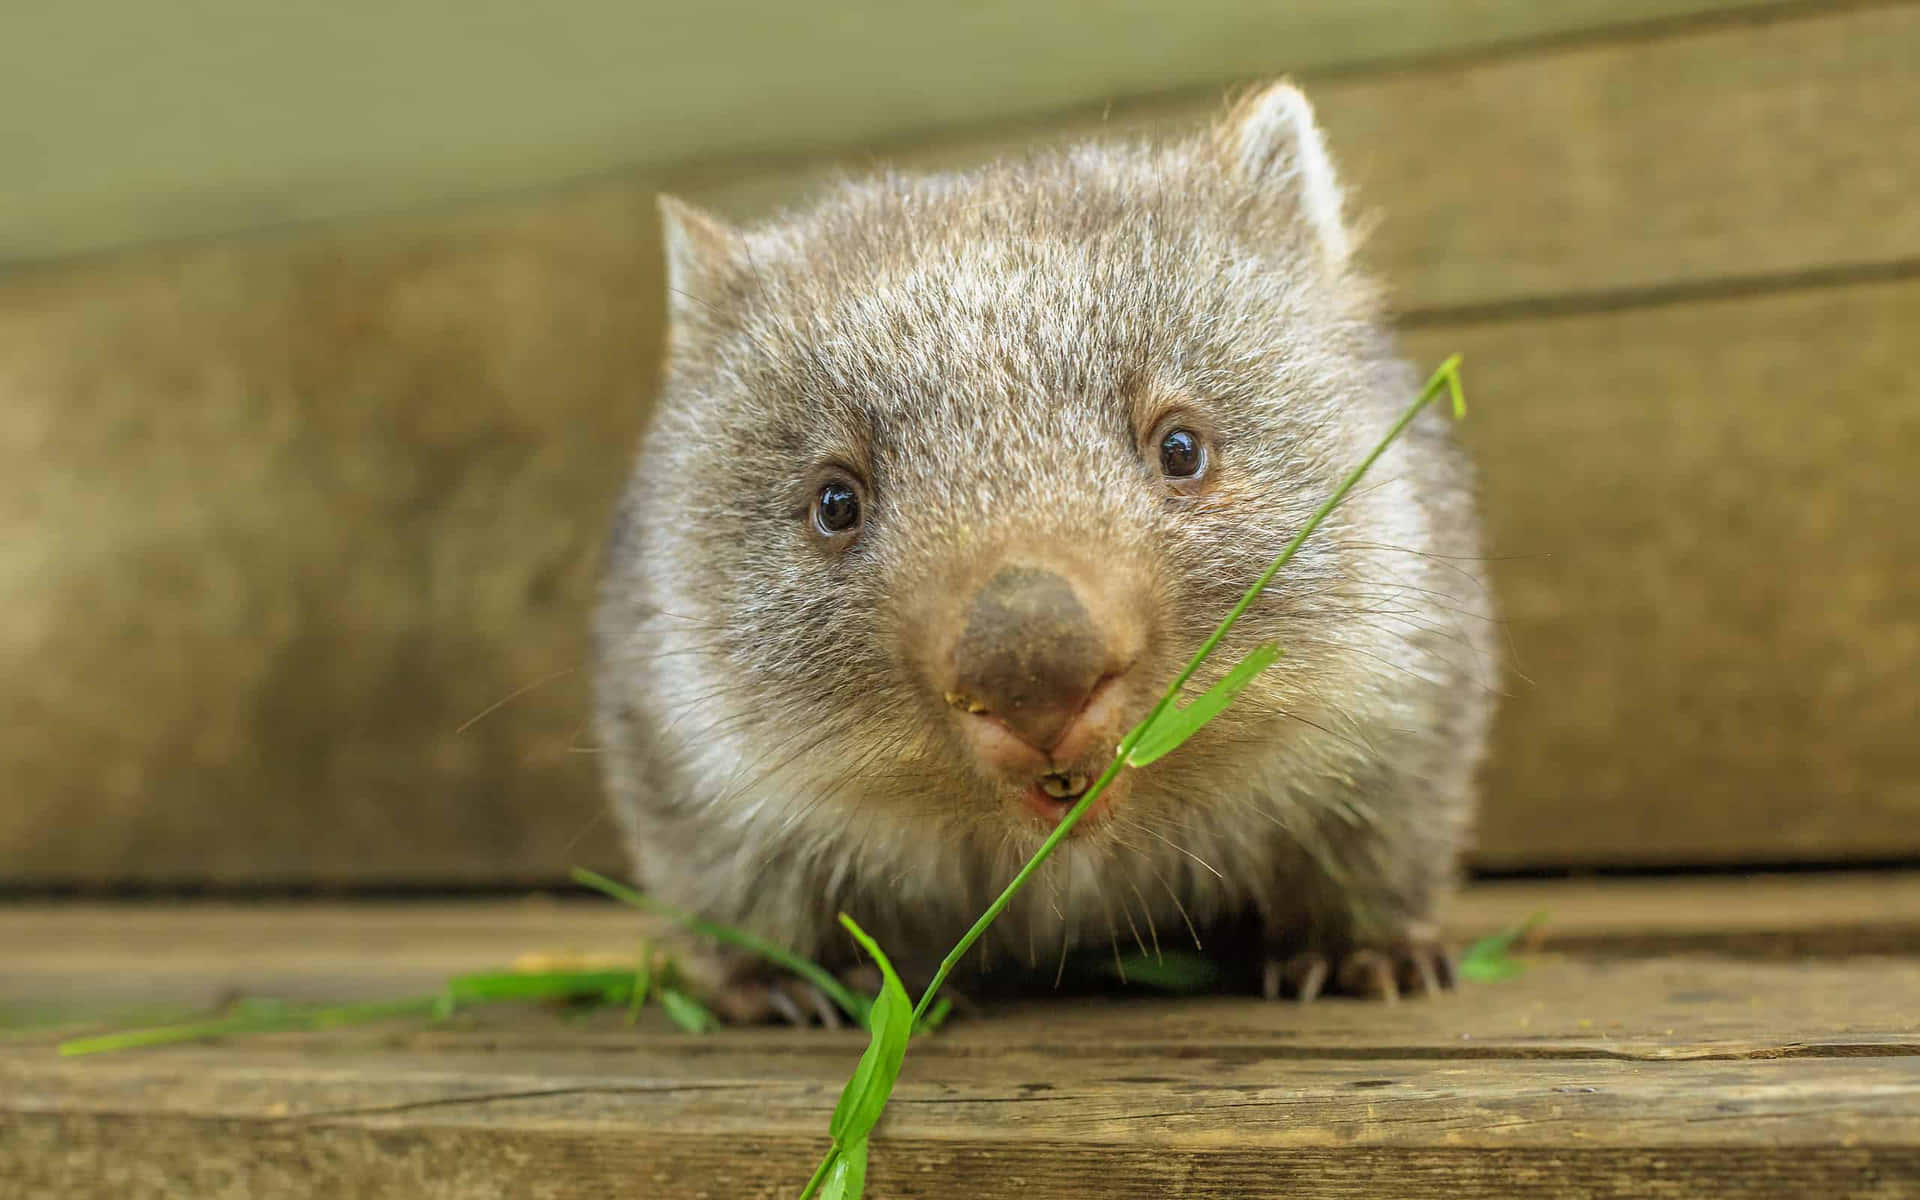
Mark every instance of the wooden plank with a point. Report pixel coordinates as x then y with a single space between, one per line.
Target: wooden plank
1817 914
152 127
72 1156
79 961
1754 151
82 961
358 477
1579 1078
357 489
1707 542
1763 149
1696 564
1099 1099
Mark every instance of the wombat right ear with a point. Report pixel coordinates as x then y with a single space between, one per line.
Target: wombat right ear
701 252
1270 140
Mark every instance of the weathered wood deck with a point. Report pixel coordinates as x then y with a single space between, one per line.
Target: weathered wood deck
1724 1037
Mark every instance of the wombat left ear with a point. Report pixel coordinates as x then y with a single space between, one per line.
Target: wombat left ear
1270 140
701 253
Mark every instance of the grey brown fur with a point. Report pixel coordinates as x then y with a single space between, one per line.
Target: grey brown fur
983 350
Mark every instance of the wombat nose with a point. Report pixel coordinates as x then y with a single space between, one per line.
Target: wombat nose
1029 656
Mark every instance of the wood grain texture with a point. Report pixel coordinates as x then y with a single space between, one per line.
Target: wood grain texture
78 961
148 126
282 518
1585 1076
285 512
1599 172
1707 534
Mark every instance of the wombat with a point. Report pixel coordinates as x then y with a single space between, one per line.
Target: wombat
948 477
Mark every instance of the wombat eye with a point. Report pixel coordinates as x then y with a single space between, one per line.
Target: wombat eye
1181 454
836 508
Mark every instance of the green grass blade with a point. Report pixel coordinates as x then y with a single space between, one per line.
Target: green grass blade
606 987
847 1178
1450 369
936 1016
1176 725
686 1012
255 1022
821 1172
1489 960
843 1172
642 982
865 1095
853 1005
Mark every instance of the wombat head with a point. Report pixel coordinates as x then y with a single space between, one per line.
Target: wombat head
951 473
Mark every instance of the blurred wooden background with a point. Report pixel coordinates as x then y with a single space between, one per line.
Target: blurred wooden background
323 342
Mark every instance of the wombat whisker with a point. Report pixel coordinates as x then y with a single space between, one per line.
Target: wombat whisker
698 622
573 740
1448 562
858 769
1346 646
1446 625
1400 587
1355 726
510 697
596 821
1146 910
1405 625
1356 740
1256 733
1476 664
1183 850
1455 616
1173 895
726 724
1146 914
695 650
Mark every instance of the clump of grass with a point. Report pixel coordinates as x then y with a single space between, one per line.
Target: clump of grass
854 1005
598 987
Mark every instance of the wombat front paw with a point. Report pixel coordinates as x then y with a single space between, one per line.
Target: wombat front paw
786 999
790 1000
1419 967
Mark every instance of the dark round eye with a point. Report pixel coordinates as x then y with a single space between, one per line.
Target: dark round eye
837 508
1181 455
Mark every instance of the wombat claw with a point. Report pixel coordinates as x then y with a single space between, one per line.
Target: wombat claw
799 1003
1410 969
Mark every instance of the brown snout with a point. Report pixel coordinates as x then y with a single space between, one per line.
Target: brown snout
1031 656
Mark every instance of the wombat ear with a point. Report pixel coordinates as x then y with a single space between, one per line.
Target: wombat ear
1270 140
701 252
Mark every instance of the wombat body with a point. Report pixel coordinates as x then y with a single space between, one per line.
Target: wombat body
948 477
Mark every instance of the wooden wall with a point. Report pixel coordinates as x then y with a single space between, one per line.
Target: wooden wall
284 510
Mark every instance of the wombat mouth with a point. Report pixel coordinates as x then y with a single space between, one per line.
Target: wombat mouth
1062 786
1053 794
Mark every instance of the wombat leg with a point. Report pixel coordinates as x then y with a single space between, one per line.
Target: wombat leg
1410 967
742 990
748 992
